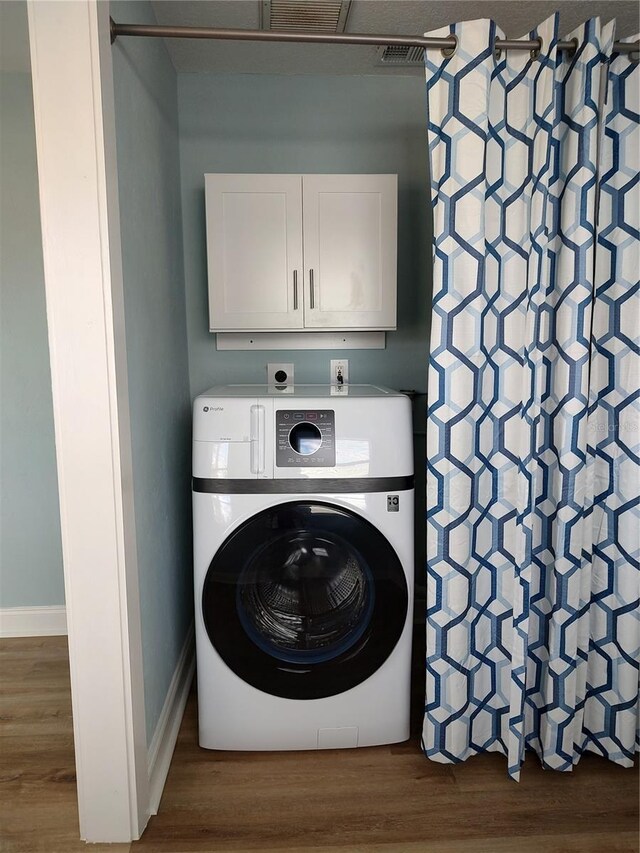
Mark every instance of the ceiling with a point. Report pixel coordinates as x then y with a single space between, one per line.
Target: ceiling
412 17
515 17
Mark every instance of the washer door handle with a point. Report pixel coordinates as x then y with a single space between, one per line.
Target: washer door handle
257 439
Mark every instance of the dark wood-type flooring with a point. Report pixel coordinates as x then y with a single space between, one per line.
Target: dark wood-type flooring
386 799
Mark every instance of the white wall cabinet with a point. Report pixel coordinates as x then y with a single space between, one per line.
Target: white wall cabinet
254 249
301 252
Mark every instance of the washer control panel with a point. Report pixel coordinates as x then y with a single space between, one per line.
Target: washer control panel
305 438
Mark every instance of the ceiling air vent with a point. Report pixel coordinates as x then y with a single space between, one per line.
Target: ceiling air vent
324 16
400 54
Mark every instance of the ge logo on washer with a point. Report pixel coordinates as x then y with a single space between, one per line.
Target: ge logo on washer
393 503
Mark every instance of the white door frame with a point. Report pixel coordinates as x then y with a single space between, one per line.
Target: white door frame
75 136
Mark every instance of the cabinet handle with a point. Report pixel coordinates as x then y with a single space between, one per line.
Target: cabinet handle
295 290
311 299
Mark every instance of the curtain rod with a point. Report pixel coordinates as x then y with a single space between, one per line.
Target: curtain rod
447 44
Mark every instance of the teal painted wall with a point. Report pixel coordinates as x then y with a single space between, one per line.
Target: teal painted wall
150 212
30 547
268 123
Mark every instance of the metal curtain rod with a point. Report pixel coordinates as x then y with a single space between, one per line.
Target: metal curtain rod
448 43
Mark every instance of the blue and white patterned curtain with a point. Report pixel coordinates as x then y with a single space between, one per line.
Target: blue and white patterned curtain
533 475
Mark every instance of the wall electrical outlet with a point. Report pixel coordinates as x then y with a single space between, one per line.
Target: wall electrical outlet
339 371
280 374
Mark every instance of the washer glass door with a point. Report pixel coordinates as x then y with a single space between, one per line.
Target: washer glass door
305 600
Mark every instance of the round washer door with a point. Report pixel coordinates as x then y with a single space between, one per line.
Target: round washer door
305 600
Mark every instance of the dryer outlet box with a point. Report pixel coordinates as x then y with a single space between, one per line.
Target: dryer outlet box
280 374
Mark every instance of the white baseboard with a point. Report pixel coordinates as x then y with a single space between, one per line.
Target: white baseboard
33 621
164 738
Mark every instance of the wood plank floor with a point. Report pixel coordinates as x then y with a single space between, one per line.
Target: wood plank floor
387 799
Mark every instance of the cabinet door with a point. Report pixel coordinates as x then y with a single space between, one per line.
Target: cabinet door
254 251
350 239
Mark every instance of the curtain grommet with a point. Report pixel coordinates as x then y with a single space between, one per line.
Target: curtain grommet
535 53
448 52
571 52
497 53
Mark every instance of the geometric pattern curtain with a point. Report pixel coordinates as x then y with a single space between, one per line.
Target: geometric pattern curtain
611 709
533 546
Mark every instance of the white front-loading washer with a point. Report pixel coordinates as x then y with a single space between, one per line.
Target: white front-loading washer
303 566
